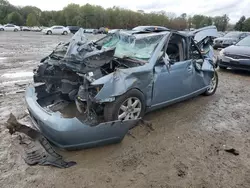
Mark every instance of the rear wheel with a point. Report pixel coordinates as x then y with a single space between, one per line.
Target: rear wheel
128 106
65 33
49 32
2 29
213 85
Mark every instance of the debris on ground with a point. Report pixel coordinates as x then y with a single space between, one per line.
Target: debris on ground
232 151
37 150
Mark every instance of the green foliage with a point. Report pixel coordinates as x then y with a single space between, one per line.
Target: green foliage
239 25
92 16
221 22
32 20
15 18
199 21
246 25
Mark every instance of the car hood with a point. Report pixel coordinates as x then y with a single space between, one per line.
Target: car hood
238 50
202 33
226 38
82 55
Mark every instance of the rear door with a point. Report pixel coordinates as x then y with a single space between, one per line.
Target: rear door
173 83
56 30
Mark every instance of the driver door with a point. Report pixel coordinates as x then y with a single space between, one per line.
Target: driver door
172 84
173 79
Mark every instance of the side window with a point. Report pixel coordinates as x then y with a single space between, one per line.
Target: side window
176 48
194 52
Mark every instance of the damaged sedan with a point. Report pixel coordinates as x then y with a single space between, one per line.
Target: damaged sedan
89 93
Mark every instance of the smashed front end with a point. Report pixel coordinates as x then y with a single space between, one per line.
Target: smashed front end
66 104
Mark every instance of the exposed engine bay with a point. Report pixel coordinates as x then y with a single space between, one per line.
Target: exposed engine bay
67 74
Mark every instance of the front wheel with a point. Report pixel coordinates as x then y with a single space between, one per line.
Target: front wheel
128 106
65 33
2 29
49 32
15 30
212 85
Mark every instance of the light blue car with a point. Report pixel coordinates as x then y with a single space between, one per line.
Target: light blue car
92 93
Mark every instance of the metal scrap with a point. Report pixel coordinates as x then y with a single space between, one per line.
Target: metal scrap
40 151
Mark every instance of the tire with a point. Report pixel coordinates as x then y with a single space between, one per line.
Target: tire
113 109
15 30
65 33
223 68
2 29
49 32
215 48
214 81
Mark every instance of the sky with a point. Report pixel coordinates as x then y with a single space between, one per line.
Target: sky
234 8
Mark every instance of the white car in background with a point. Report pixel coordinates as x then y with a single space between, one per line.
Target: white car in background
57 29
1 28
11 27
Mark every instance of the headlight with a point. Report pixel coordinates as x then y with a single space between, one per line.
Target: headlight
222 52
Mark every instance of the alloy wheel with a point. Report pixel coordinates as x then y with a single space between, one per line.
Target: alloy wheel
130 109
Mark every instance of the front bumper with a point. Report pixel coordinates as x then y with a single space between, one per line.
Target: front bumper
71 133
241 64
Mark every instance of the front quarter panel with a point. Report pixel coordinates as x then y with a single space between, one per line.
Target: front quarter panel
122 80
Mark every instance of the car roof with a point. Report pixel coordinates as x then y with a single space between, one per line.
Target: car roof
144 27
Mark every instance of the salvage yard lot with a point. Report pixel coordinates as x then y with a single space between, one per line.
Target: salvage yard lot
185 147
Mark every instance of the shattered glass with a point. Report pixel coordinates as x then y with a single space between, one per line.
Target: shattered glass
140 47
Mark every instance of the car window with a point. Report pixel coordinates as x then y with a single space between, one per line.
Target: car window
244 42
176 48
194 52
9 25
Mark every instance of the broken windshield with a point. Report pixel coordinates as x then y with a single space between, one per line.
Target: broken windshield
140 46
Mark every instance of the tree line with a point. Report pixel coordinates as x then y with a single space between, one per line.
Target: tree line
92 16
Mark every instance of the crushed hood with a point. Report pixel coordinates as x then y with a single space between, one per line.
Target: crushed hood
82 55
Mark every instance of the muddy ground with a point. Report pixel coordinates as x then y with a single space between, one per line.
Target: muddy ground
184 149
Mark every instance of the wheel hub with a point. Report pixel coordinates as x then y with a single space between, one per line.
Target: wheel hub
130 109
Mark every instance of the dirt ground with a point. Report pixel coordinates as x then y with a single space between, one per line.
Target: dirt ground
184 149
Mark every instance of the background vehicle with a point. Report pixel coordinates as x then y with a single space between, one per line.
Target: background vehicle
89 30
236 56
60 30
150 28
73 29
36 29
24 28
229 39
11 27
1 27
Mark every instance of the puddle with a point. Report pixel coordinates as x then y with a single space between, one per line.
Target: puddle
17 74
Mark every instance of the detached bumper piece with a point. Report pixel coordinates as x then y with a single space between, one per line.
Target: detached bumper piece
39 151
